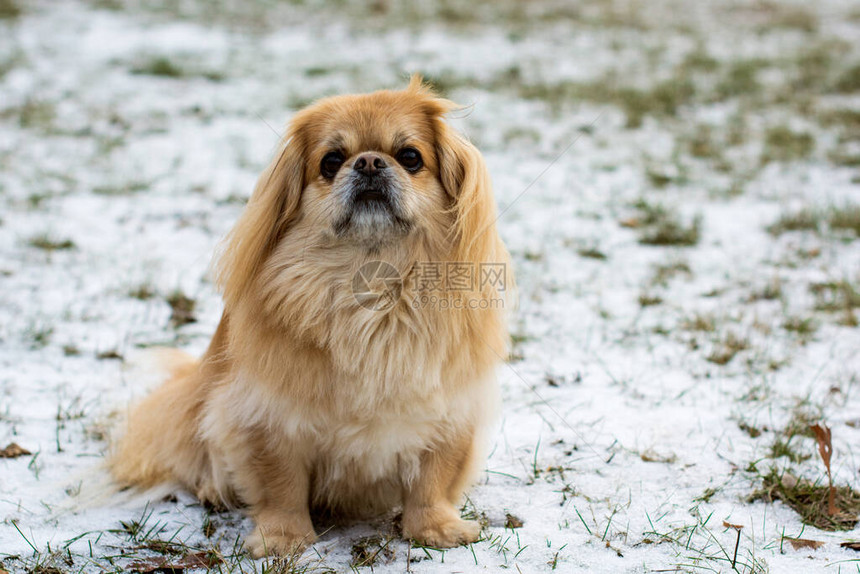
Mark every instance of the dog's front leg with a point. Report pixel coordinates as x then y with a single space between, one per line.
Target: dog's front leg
430 516
276 485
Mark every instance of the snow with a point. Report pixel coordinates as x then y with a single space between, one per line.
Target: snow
615 424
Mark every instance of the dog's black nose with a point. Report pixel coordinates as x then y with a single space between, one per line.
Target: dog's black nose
369 164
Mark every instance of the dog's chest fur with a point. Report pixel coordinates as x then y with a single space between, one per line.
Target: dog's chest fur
362 393
360 455
364 407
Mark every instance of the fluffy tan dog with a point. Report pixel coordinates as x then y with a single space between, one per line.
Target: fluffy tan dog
312 396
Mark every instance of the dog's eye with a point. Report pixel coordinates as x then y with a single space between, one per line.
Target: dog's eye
410 158
330 163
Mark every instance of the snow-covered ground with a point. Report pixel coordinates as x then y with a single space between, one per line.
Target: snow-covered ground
652 387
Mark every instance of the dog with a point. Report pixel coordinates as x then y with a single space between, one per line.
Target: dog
314 395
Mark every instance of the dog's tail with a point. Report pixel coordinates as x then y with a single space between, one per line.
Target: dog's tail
158 442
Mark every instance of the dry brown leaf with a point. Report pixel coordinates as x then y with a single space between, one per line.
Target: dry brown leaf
651 455
14 450
798 543
851 545
730 525
164 564
512 521
630 223
825 449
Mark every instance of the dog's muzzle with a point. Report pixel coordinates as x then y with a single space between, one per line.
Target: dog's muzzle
371 197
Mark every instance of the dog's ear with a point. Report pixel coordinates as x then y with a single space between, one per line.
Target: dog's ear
475 240
466 180
465 177
270 210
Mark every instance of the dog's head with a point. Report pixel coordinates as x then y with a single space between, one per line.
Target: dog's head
371 171
366 174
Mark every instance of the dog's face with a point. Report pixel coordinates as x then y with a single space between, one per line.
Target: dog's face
364 176
371 171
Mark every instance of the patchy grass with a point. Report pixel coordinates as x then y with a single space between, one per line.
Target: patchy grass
771 291
699 78
144 292
740 79
592 253
788 442
699 60
9 9
849 80
158 66
661 226
47 243
533 255
664 99
727 348
698 547
446 82
791 17
815 70
317 71
700 322
9 62
844 158
737 130
803 415
521 135
371 550
844 218
845 119
809 500
703 145
37 200
658 178
182 309
665 272
32 114
804 327
128 188
109 355
783 144
832 296
806 219
673 232
146 544
40 336
782 447
661 100
752 431
649 300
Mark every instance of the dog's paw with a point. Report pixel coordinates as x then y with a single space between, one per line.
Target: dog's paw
440 528
449 534
278 540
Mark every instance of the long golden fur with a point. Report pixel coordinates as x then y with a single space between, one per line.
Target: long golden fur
306 399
